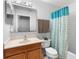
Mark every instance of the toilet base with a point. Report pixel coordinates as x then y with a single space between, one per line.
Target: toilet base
51 58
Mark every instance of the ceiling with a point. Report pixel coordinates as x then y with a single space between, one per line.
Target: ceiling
59 2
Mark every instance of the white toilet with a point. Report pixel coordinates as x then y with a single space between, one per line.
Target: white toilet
51 53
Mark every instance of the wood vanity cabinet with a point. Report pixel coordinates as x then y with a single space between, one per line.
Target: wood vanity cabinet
32 51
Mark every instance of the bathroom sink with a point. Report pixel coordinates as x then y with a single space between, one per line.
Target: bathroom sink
24 41
29 40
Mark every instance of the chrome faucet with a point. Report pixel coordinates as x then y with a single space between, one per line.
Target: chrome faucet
25 37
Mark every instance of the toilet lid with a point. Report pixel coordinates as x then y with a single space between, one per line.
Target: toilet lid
51 51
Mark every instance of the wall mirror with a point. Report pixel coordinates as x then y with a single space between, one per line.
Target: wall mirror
24 24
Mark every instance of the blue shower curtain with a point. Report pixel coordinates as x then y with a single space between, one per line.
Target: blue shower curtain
59 31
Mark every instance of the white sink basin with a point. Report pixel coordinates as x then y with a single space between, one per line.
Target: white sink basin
25 41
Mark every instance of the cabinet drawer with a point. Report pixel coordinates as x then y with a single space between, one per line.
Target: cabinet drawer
33 46
12 51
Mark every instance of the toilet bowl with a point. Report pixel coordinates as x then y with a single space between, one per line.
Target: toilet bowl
51 53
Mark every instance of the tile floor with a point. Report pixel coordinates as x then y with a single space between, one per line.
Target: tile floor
45 57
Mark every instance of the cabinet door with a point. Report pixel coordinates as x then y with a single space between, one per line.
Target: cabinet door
46 26
17 56
35 54
43 26
40 26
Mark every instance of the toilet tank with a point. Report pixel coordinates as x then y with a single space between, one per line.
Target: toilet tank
46 43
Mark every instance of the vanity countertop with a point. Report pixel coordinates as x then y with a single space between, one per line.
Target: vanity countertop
19 42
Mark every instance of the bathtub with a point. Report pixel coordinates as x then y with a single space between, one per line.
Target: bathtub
71 55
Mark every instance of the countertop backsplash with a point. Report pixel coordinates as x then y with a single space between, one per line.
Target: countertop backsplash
29 35
22 35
